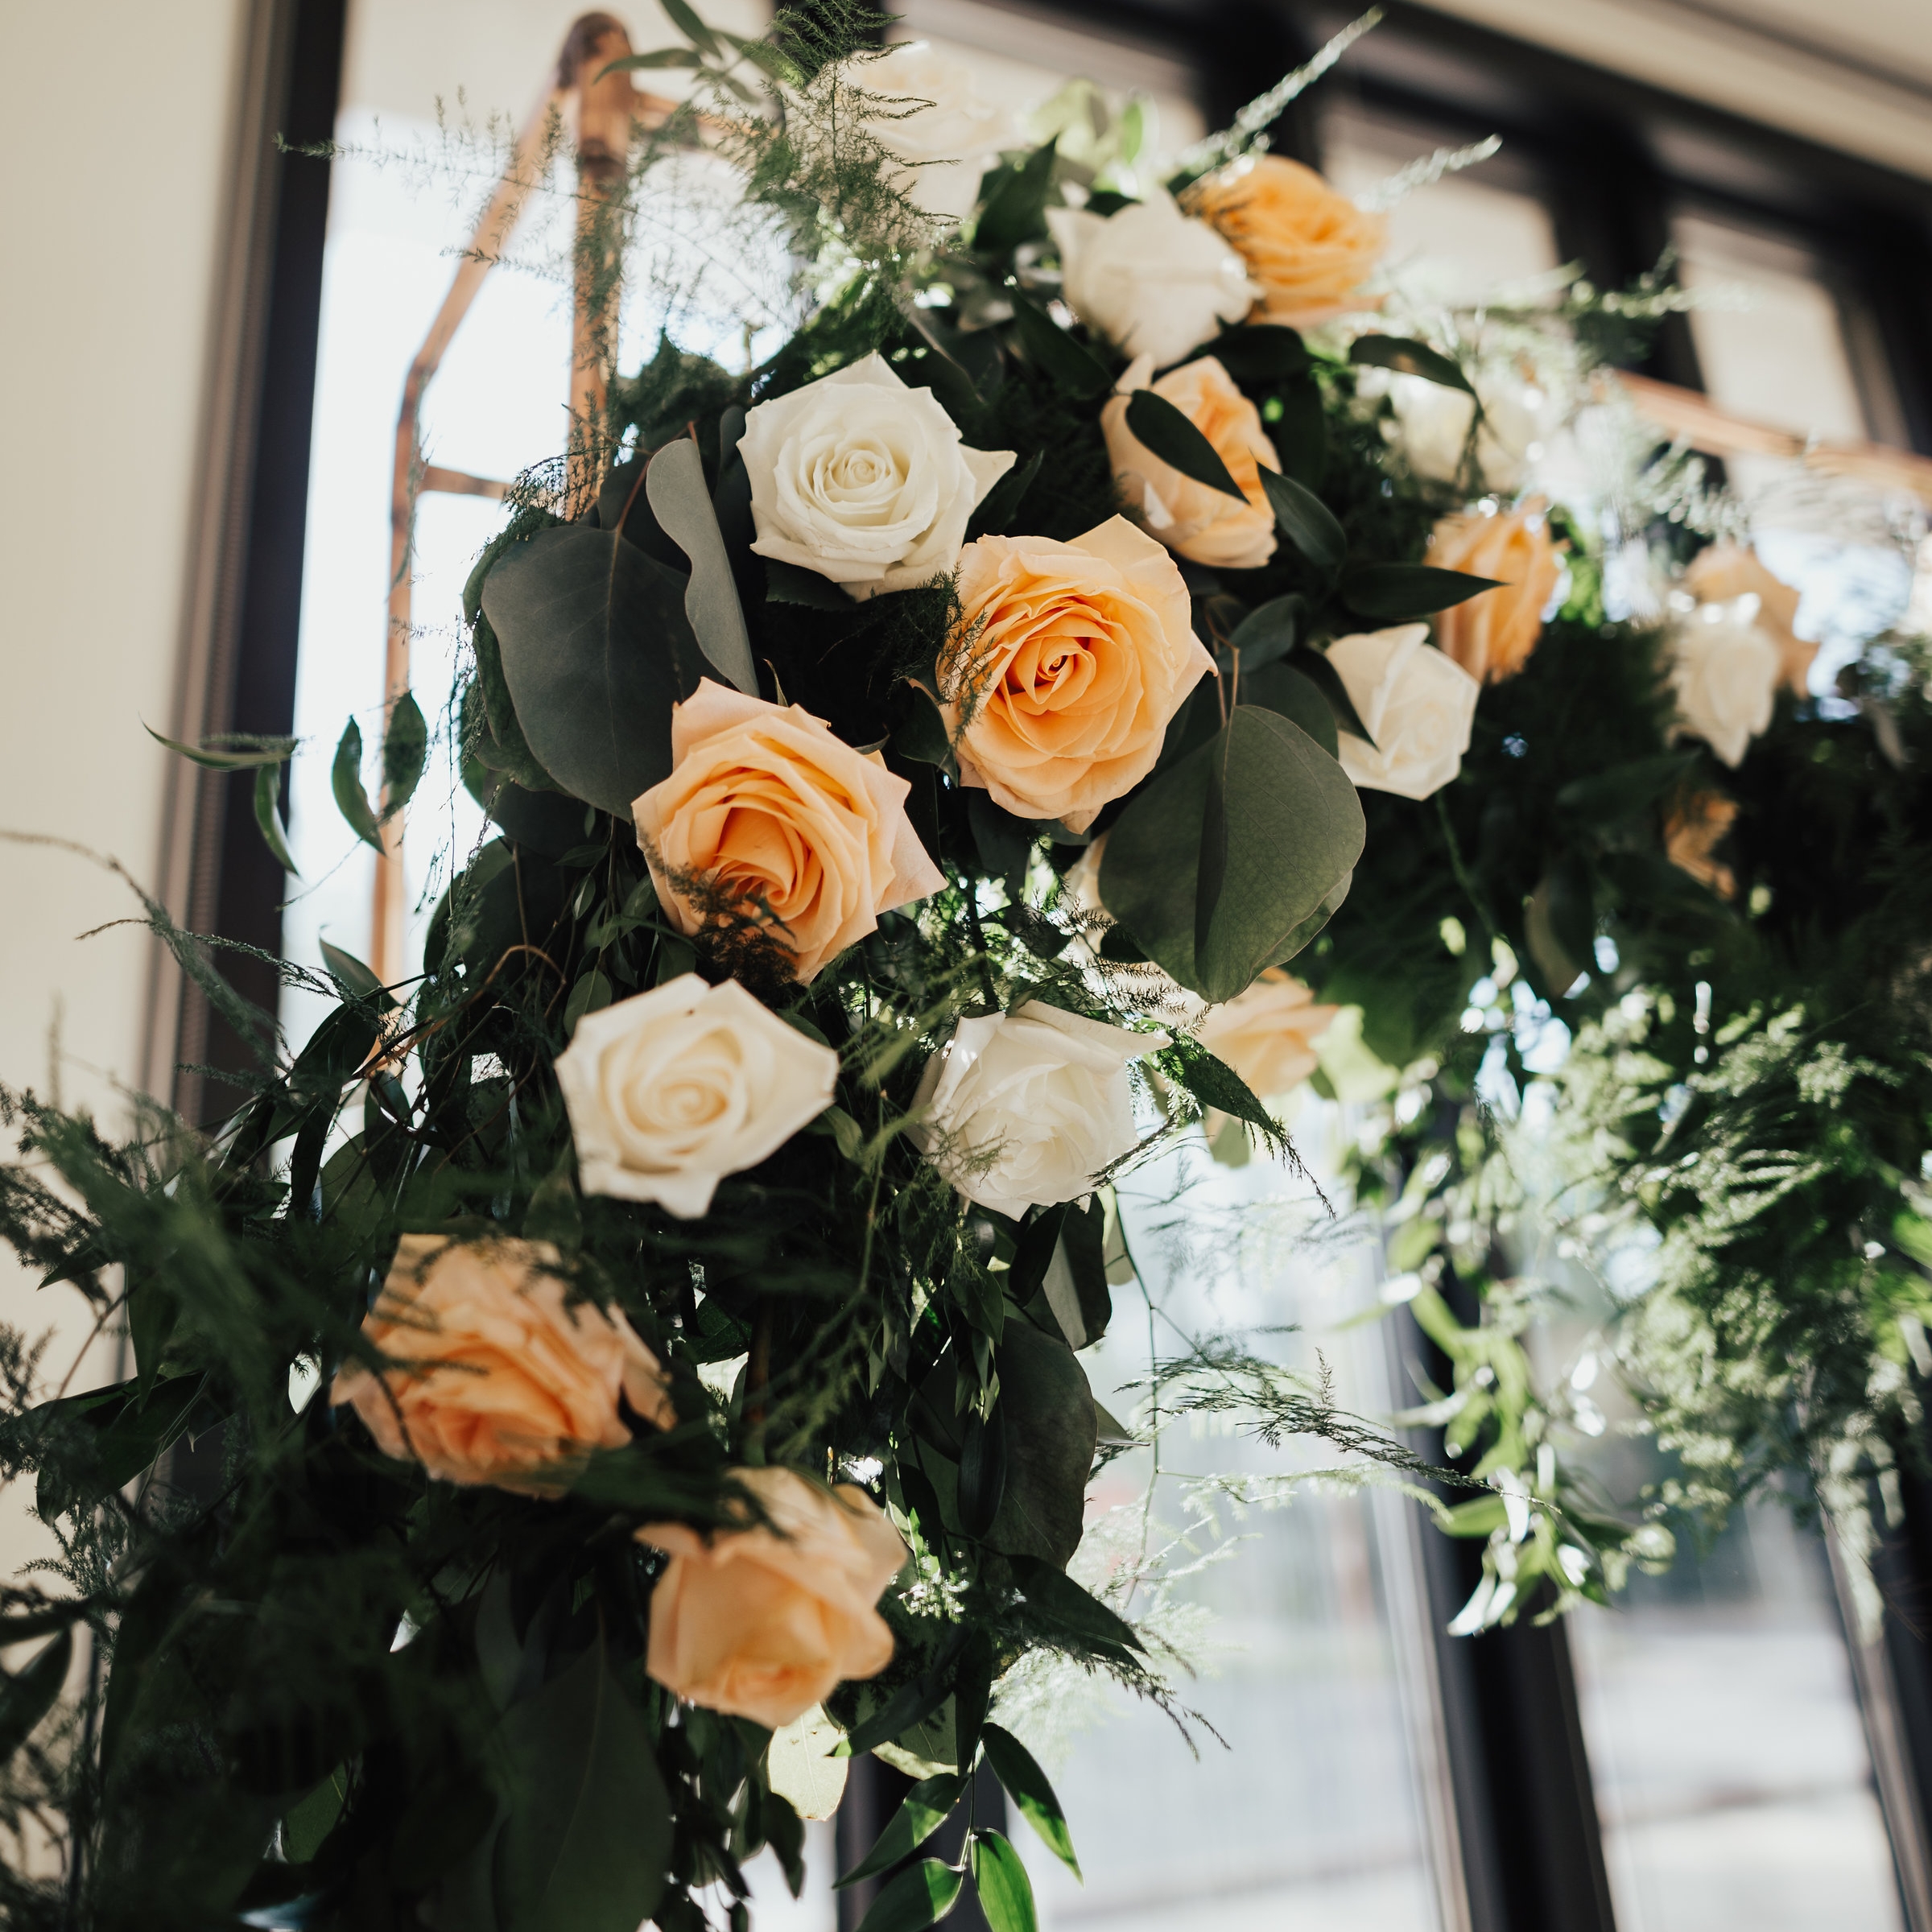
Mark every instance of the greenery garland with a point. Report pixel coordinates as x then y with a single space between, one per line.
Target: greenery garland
566 1437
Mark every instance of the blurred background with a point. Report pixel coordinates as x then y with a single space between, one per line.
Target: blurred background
205 337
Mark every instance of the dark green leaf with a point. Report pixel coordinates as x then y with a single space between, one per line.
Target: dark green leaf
675 487
910 1704
1015 209
922 1896
1215 1083
1005 1892
588 1838
1269 631
1027 1786
241 754
1408 358
349 973
597 649
405 752
1074 370
310 1818
921 1813
995 514
1314 664
1260 355
1056 1597
1624 789
794 583
1399 594
658 57
1282 687
590 994
27 1697
1045 1409
1169 435
921 737
1215 865
346 778
1003 840
1305 521
693 29
1300 433
268 817
503 746
972 1693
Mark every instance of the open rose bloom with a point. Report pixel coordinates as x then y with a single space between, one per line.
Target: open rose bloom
1310 248
1267 1034
497 1377
1493 634
1204 525
1726 571
768 815
671 1090
763 1622
1069 662
1419 707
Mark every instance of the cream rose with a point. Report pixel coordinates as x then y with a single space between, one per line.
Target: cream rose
1726 571
1310 248
1023 1109
495 1377
671 1091
762 1623
1418 707
1148 278
1205 525
767 813
932 117
1432 427
1267 1034
863 480
1493 634
1069 661
1724 670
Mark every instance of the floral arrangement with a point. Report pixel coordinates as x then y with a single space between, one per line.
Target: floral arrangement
1001 733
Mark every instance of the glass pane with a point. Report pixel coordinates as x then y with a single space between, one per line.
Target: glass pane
1308 1815
1731 1773
1468 233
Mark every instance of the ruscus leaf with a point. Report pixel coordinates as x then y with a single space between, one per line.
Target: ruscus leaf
345 778
268 817
1005 1892
921 1895
405 752
1408 358
1026 1785
1169 435
1305 521
921 1813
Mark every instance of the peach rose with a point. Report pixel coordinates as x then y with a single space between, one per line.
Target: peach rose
1206 526
1267 1034
497 1377
1068 663
767 809
761 1624
1694 828
1727 571
1310 248
1492 635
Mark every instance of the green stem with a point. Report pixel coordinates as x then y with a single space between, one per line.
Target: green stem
1462 871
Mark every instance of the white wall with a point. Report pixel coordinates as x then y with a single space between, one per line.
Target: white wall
114 142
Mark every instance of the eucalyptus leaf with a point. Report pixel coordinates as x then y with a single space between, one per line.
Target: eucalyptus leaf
1399 594
1314 664
794 583
1166 432
1259 355
1305 521
1046 1412
675 485
920 1895
1215 864
1015 207
345 779
597 649
1409 358
921 1813
588 1840
1269 631
405 752
1027 1785
28 1695
1006 1893
1282 687
268 816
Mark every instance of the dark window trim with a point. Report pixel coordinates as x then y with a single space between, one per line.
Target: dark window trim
242 616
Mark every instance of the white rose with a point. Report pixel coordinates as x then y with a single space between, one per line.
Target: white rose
1024 1108
1154 281
1432 426
948 138
1725 670
1418 707
864 481
671 1091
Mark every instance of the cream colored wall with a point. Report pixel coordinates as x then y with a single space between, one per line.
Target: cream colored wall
114 144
